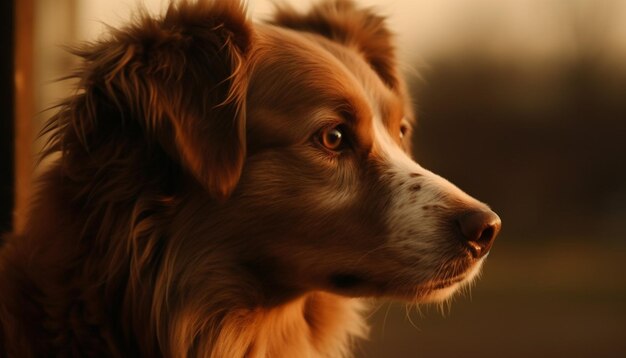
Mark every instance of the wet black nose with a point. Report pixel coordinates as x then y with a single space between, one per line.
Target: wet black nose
479 229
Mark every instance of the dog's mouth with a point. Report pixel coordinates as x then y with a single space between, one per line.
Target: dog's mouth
345 281
424 290
359 285
355 284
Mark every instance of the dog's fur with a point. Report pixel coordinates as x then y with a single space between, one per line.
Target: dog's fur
193 210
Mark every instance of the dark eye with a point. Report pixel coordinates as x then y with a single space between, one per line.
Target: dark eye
332 138
404 129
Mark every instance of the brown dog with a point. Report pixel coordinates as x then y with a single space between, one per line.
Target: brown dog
228 189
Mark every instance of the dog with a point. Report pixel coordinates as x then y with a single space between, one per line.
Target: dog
224 188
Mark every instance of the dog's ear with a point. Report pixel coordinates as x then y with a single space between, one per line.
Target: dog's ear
183 78
342 21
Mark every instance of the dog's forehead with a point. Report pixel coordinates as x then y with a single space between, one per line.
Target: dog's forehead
303 72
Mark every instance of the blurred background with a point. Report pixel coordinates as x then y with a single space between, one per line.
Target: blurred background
522 103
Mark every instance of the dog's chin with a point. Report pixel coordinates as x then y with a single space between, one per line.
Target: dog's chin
440 291
439 294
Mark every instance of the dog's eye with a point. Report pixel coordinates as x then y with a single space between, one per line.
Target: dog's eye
404 129
332 138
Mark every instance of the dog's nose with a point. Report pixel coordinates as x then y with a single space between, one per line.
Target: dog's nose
479 229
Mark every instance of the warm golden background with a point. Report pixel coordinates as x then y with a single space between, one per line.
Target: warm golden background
522 103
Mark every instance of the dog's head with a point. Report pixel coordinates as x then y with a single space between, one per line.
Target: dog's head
288 142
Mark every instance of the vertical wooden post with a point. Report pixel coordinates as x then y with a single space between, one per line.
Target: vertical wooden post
24 108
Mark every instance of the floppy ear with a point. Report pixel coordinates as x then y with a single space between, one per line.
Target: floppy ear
342 21
183 77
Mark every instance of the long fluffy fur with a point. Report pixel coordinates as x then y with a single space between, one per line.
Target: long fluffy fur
191 209
98 272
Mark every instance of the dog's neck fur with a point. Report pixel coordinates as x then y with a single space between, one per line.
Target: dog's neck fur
160 315
314 325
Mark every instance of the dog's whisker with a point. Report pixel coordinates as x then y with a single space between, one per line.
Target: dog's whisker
407 312
385 319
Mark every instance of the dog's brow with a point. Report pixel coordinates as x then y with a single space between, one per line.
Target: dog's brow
346 108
